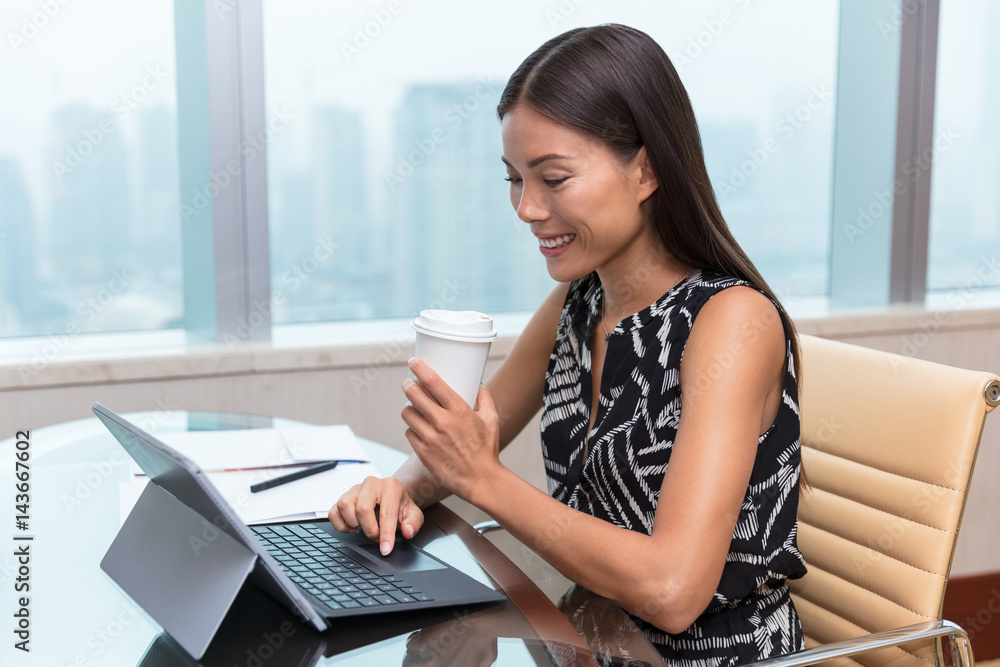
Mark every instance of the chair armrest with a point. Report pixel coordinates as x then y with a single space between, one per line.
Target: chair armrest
487 526
961 648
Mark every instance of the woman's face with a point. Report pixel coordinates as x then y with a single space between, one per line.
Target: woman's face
582 203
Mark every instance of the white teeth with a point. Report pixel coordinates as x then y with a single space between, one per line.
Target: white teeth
557 241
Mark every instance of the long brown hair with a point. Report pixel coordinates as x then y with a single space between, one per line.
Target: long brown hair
615 84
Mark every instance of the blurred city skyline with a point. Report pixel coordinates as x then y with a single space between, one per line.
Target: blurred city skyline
89 194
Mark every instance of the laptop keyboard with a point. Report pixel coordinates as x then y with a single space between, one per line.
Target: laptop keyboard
322 565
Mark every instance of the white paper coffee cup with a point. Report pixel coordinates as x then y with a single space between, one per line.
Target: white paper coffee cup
455 343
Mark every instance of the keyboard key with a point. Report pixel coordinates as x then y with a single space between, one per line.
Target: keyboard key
422 597
357 594
333 605
367 602
298 529
400 597
349 604
280 530
384 599
341 597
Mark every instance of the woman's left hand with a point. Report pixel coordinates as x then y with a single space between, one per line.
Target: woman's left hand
456 444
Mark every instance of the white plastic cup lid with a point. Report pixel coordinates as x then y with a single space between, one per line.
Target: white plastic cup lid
461 325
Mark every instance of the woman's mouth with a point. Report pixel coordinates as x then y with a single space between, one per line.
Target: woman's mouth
557 242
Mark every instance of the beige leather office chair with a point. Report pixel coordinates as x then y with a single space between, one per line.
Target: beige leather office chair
889 445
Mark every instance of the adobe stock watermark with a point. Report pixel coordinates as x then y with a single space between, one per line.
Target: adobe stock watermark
33 24
289 282
712 29
364 34
984 617
202 198
104 637
87 310
881 202
270 644
101 471
561 12
986 274
224 7
452 120
122 107
899 15
786 127
392 350
895 528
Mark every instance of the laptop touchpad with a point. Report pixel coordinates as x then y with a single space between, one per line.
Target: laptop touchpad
403 558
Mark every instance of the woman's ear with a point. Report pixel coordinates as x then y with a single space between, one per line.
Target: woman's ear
647 181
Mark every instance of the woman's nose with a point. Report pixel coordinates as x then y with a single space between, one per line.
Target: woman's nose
530 207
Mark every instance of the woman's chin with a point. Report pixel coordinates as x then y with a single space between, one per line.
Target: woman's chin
562 272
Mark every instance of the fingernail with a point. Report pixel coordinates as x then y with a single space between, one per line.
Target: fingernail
353 531
406 383
411 361
407 530
386 548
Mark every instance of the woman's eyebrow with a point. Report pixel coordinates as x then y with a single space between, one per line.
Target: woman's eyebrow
534 162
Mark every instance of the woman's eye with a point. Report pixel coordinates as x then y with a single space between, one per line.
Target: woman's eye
512 179
555 182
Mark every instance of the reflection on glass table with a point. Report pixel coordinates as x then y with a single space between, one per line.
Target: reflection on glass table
80 617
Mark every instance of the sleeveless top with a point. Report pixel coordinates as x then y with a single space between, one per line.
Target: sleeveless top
751 615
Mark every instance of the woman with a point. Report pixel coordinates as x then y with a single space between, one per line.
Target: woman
664 366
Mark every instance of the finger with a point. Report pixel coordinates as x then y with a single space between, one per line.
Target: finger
411 518
416 419
365 508
342 515
415 442
422 412
435 387
485 406
388 510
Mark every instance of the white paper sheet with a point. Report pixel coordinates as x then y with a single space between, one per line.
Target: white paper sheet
307 498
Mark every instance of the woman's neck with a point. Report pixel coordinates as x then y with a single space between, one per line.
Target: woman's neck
637 279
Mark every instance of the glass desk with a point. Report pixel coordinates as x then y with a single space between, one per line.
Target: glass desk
78 617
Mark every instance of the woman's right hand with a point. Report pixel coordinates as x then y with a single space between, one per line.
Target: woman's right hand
376 507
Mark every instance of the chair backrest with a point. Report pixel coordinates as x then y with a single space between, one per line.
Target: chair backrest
888 446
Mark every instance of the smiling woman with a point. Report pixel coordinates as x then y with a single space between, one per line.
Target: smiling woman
633 358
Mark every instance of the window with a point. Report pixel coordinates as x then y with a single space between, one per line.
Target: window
965 200
386 194
89 234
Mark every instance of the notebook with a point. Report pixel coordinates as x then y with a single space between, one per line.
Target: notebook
192 543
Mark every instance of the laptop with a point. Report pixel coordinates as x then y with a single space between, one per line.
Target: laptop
183 555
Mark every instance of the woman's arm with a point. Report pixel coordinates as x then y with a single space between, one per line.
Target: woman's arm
669 577
516 387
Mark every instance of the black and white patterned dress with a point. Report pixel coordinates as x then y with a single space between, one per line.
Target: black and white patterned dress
751 615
